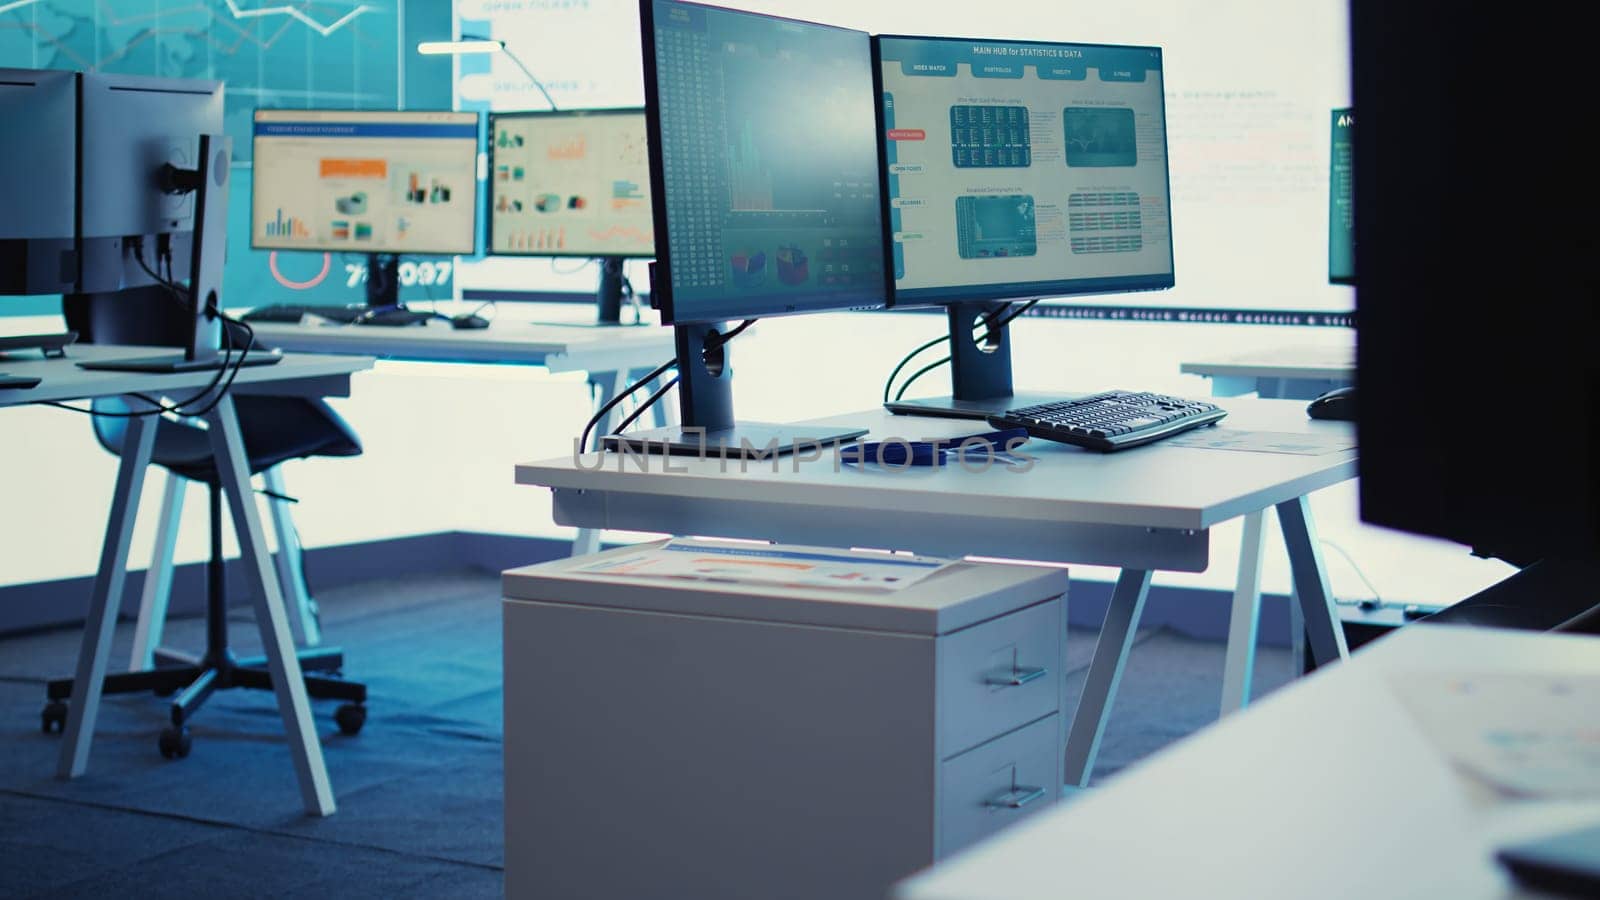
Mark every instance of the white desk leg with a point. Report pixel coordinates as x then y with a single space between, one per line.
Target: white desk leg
158 579
1105 671
93 653
1240 662
291 575
610 384
1322 626
227 446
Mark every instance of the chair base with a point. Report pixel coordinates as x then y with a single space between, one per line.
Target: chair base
195 680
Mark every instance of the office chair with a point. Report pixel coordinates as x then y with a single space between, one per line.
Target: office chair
275 429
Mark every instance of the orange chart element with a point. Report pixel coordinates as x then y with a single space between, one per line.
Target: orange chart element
354 168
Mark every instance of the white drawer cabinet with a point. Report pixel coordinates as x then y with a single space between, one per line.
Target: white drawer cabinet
668 739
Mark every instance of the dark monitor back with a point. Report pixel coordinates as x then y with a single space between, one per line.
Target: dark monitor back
38 144
1478 256
131 127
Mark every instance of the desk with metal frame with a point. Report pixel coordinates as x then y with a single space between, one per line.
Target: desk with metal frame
612 356
294 375
1142 510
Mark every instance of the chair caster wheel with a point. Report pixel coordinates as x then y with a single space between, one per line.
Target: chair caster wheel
54 717
175 743
350 716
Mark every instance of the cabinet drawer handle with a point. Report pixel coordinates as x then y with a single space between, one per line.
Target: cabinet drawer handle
1016 798
1016 677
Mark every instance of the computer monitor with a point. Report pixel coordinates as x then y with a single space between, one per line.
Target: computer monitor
1479 306
382 183
1015 170
764 166
153 168
38 190
1341 200
572 183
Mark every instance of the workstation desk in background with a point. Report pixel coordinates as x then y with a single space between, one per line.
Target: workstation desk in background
1286 373
1140 510
612 356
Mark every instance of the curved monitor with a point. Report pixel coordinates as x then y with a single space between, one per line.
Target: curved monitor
1016 169
764 164
570 183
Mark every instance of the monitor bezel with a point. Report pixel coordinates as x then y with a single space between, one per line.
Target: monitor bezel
661 274
255 145
489 195
1031 290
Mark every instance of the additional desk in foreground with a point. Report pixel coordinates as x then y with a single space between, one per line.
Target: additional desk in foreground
294 375
1288 373
1327 789
1140 510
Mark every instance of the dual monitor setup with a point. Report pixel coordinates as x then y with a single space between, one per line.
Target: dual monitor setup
387 183
800 167
116 192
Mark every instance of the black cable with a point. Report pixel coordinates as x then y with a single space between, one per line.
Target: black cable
992 322
888 384
621 396
721 340
649 402
227 347
712 342
160 407
181 296
918 374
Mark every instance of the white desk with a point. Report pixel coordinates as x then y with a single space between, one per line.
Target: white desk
295 375
612 355
1288 373
1140 510
1327 789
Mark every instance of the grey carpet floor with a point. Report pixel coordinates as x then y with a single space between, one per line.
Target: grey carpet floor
419 790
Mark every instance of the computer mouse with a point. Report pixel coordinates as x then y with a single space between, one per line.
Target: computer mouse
469 320
1337 405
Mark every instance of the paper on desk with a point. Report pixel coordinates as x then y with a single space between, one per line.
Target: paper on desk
1294 443
781 565
1525 734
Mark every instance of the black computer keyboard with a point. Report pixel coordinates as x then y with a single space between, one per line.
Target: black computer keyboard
1112 420
350 315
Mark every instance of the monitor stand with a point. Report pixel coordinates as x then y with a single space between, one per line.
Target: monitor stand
705 403
980 371
383 280
209 183
609 295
